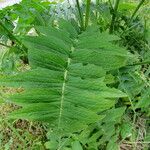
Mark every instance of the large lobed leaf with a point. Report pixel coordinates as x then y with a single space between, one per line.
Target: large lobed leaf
65 86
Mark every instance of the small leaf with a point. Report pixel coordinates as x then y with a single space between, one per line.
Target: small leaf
51 145
112 145
114 115
76 145
126 130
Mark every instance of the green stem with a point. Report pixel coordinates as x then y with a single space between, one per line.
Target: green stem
111 6
11 36
140 63
134 13
114 14
80 15
5 45
87 13
130 100
136 10
97 4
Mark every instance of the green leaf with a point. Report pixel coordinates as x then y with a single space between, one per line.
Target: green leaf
112 145
114 115
66 84
51 145
126 130
76 145
144 101
127 6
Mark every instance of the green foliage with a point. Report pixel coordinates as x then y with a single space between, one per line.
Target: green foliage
19 19
91 88
66 85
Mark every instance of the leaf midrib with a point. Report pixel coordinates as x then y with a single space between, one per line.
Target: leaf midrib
63 93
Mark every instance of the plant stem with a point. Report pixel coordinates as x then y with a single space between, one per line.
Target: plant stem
114 14
136 10
87 13
11 36
140 63
80 15
130 100
97 4
111 6
134 13
5 45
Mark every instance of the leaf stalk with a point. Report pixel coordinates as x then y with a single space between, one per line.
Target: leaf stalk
87 13
114 15
80 15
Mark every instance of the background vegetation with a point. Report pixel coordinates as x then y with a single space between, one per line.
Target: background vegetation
121 28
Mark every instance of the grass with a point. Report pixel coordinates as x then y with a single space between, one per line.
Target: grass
19 134
139 133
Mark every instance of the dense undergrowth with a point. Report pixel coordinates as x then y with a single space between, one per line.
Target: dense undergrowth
75 77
